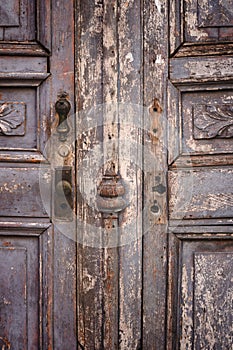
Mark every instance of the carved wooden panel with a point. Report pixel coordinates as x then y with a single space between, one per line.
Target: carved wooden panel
14 294
203 295
24 253
207 122
20 192
215 13
200 21
9 13
201 193
212 121
200 118
213 293
23 127
18 119
18 14
30 80
200 125
12 118
24 70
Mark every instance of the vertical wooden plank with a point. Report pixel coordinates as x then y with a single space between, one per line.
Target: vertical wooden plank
110 152
46 292
175 24
89 94
130 165
172 296
62 72
155 239
96 68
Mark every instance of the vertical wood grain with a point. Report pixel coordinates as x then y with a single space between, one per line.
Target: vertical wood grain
110 149
130 165
89 94
155 239
110 49
62 79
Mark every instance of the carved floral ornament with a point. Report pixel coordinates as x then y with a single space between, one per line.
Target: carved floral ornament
213 121
11 117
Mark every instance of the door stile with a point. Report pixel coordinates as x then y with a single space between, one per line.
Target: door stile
62 80
89 93
131 169
155 55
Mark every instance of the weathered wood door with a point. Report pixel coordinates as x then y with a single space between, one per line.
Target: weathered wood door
167 66
145 167
37 278
200 174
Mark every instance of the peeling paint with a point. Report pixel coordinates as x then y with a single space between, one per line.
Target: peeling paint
158 5
159 59
186 312
129 57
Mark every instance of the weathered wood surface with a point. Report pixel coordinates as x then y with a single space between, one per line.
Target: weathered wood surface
90 255
199 22
155 221
41 312
204 193
17 186
18 20
130 91
108 289
205 275
64 258
200 199
26 283
192 69
109 72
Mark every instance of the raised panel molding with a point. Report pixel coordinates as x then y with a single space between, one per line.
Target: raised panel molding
24 61
20 192
200 193
201 288
12 118
26 284
200 70
200 124
22 131
215 13
18 20
26 22
23 70
14 294
213 293
9 13
200 22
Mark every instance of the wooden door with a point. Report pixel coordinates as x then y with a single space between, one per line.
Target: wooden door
37 279
200 120
149 264
162 73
